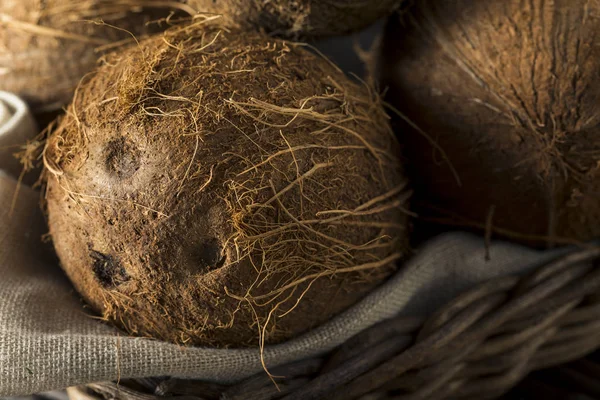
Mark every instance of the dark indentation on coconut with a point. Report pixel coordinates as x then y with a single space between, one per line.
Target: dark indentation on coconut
107 269
122 158
209 255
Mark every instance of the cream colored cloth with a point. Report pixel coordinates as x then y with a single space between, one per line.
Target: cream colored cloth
47 340
16 127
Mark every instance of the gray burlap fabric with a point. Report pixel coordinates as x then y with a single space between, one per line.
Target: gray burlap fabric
47 341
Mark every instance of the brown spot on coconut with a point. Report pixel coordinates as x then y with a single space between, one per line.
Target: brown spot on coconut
299 18
505 95
47 46
211 187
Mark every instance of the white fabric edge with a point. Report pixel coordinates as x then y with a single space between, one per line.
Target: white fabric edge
15 131
5 113
19 112
4 174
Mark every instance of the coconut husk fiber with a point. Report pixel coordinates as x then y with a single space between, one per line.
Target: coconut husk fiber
299 18
501 97
47 46
215 186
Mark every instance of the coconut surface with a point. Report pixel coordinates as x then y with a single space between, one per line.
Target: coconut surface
503 97
299 18
214 187
47 46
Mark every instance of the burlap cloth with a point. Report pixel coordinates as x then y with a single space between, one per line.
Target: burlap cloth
48 341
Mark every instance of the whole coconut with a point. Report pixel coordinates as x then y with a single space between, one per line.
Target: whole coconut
502 97
47 46
299 18
211 187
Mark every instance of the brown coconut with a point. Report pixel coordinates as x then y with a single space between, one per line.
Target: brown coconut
502 97
299 18
47 46
211 187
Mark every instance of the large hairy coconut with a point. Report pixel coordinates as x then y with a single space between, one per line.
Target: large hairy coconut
212 187
503 99
47 46
302 18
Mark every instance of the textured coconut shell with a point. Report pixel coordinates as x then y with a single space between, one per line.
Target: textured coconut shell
47 46
300 18
213 186
505 96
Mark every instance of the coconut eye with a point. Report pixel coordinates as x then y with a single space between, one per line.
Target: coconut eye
122 158
108 269
209 254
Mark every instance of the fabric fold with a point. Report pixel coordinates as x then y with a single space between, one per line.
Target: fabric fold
17 126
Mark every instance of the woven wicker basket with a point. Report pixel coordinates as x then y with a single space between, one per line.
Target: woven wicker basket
577 380
478 346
